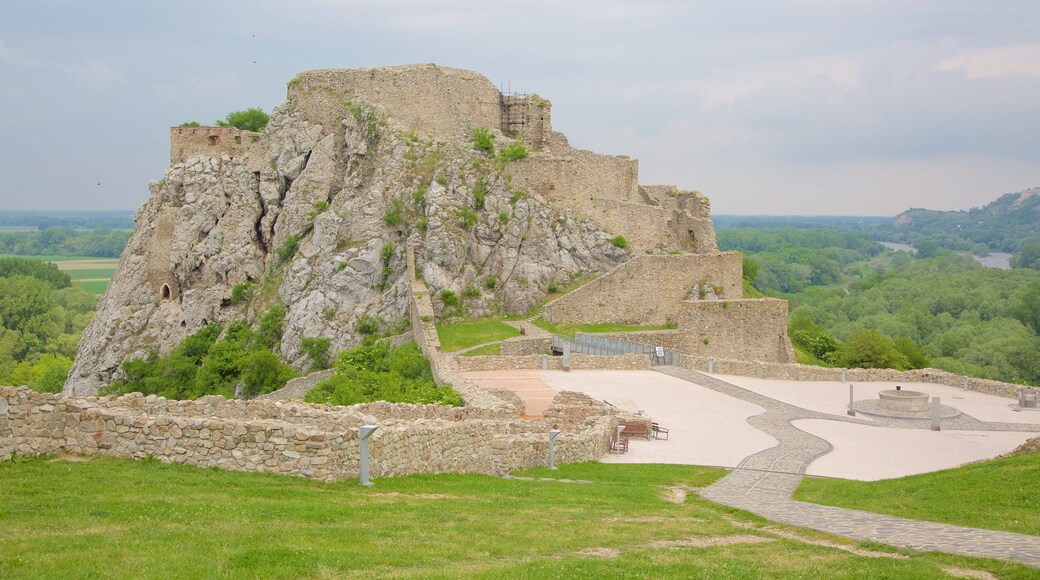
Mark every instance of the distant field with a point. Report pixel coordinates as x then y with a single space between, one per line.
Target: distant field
91 273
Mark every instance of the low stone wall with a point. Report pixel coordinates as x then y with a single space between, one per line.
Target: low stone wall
799 372
317 441
624 362
525 346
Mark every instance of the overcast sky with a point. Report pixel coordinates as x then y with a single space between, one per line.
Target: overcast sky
770 107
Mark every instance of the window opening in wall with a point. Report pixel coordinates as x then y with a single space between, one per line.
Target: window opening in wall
165 292
212 139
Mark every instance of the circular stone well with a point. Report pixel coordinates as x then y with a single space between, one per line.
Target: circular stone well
904 401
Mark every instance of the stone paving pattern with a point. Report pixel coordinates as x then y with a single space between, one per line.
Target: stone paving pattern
763 483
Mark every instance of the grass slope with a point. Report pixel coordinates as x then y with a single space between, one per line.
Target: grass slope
458 335
998 495
108 517
568 329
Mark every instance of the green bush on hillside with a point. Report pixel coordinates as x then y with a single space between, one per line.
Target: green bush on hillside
202 364
376 371
483 139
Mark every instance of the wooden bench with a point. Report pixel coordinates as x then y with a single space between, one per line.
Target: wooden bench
636 428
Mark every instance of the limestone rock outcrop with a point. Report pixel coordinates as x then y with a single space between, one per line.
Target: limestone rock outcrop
315 212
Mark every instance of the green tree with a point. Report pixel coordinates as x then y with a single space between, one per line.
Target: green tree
1028 256
254 119
43 271
1025 307
871 349
27 310
262 372
317 349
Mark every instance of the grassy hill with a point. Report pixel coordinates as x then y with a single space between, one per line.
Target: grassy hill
1001 225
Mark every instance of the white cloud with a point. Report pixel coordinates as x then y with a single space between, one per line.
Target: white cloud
15 56
995 62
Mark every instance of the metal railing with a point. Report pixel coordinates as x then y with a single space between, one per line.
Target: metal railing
608 346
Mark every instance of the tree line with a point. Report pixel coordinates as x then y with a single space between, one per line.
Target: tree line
42 316
102 242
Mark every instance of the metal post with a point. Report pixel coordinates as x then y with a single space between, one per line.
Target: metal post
852 410
935 413
364 432
843 369
552 447
965 383
711 365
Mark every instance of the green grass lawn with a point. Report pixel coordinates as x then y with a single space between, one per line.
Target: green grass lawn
458 335
569 330
108 517
94 286
488 349
998 495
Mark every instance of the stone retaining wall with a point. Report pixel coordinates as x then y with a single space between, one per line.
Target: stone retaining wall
649 290
525 346
799 372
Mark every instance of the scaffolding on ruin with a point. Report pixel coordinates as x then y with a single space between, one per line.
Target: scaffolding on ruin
514 112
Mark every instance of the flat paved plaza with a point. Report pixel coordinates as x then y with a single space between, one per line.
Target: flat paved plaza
711 428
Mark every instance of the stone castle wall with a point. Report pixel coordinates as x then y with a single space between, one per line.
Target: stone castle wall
649 289
750 329
442 103
754 329
188 142
576 175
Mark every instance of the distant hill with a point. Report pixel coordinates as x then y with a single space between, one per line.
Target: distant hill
1002 225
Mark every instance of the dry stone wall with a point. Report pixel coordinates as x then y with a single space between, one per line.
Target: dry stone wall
799 372
316 441
648 289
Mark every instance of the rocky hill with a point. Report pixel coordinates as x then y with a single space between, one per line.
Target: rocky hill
314 214
1000 225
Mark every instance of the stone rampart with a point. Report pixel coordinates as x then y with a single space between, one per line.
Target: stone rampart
753 329
188 142
649 289
577 176
442 103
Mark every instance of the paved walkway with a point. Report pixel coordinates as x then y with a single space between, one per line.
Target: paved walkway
763 483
